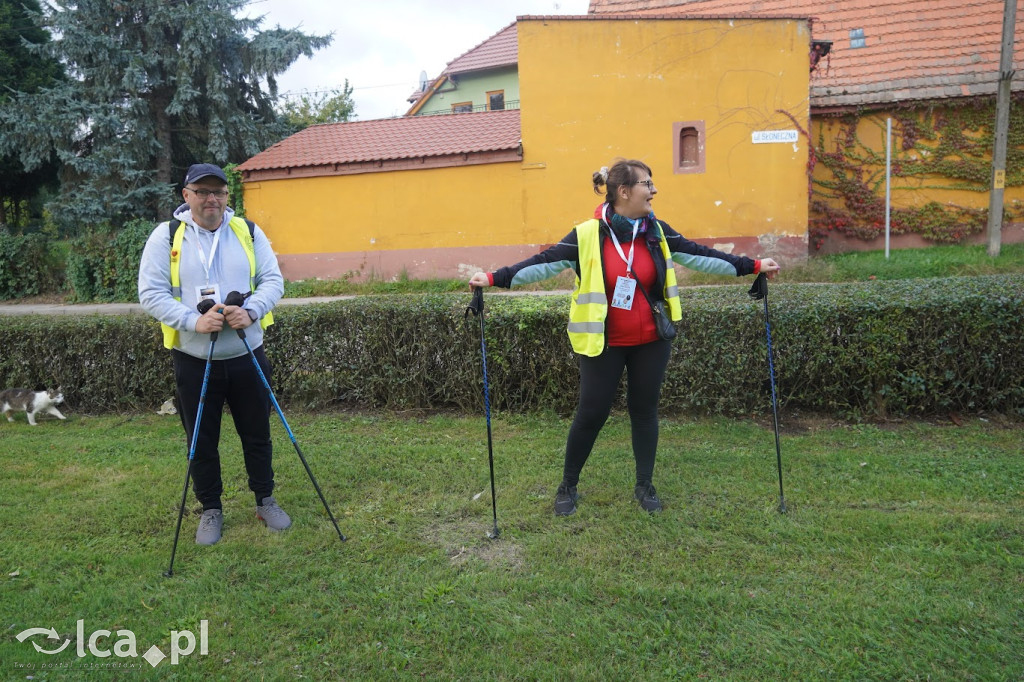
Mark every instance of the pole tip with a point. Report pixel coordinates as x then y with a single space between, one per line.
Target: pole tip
494 534
168 574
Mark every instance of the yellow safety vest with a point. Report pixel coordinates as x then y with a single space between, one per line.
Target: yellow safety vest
241 230
589 306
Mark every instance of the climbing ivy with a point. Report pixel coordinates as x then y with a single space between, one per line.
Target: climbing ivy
236 193
941 147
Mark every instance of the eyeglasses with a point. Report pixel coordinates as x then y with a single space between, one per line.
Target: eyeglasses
205 194
649 184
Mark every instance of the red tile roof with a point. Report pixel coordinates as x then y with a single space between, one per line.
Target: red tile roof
915 49
501 49
413 137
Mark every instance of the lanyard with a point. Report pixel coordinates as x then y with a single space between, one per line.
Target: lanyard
207 263
632 243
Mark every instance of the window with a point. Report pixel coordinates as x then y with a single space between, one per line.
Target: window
688 146
689 152
462 107
496 100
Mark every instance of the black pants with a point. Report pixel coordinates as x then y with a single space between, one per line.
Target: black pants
235 382
599 378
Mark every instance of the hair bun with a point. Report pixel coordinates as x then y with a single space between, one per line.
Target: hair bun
603 173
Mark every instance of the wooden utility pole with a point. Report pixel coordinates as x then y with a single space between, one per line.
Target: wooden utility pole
995 203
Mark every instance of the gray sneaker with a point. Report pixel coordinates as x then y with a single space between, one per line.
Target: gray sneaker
273 515
210 524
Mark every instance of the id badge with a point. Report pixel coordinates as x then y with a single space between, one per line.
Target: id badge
625 290
208 292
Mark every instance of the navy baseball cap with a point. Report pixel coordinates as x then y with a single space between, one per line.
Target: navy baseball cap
199 171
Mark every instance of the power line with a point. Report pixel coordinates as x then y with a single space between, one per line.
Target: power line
326 90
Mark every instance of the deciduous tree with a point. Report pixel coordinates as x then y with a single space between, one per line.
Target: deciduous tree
307 109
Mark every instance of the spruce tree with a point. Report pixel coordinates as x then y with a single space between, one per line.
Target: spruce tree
154 86
22 69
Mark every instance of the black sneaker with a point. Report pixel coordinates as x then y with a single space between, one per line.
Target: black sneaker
565 500
644 494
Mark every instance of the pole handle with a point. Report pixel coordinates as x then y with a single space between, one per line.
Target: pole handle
759 289
476 306
235 298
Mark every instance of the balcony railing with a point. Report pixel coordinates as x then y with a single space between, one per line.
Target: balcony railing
509 104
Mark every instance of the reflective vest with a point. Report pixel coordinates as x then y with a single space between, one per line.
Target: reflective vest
589 306
244 232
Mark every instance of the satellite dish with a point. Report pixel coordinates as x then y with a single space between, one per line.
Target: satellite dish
423 80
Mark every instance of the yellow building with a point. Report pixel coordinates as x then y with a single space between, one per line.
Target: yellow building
933 68
714 106
940 174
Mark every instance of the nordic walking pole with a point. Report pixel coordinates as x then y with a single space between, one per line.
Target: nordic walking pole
235 298
477 308
203 306
759 290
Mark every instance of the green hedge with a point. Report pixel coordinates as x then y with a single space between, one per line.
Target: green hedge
857 351
105 363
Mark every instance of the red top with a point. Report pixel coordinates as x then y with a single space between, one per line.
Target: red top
635 326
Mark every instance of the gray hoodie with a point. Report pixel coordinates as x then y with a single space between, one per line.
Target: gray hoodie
229 270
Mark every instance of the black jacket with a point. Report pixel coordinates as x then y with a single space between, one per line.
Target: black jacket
565 255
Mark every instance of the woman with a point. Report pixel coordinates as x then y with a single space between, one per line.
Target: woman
611 323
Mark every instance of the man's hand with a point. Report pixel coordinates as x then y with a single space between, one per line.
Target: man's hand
237 317
211 321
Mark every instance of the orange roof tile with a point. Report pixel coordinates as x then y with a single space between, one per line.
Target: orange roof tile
413 137
914 49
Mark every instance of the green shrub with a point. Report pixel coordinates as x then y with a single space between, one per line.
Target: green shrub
857 351
29 265
103 264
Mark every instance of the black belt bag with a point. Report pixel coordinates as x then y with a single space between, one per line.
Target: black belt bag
662 322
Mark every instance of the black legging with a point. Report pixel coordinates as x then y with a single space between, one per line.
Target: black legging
599 378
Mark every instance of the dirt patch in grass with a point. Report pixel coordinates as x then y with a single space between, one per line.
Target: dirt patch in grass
795 423
464 540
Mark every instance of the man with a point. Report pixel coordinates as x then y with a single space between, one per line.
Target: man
204 254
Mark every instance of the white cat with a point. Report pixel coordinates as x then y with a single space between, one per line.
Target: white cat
31 402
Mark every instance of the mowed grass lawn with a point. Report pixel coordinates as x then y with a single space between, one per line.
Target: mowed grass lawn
901 556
